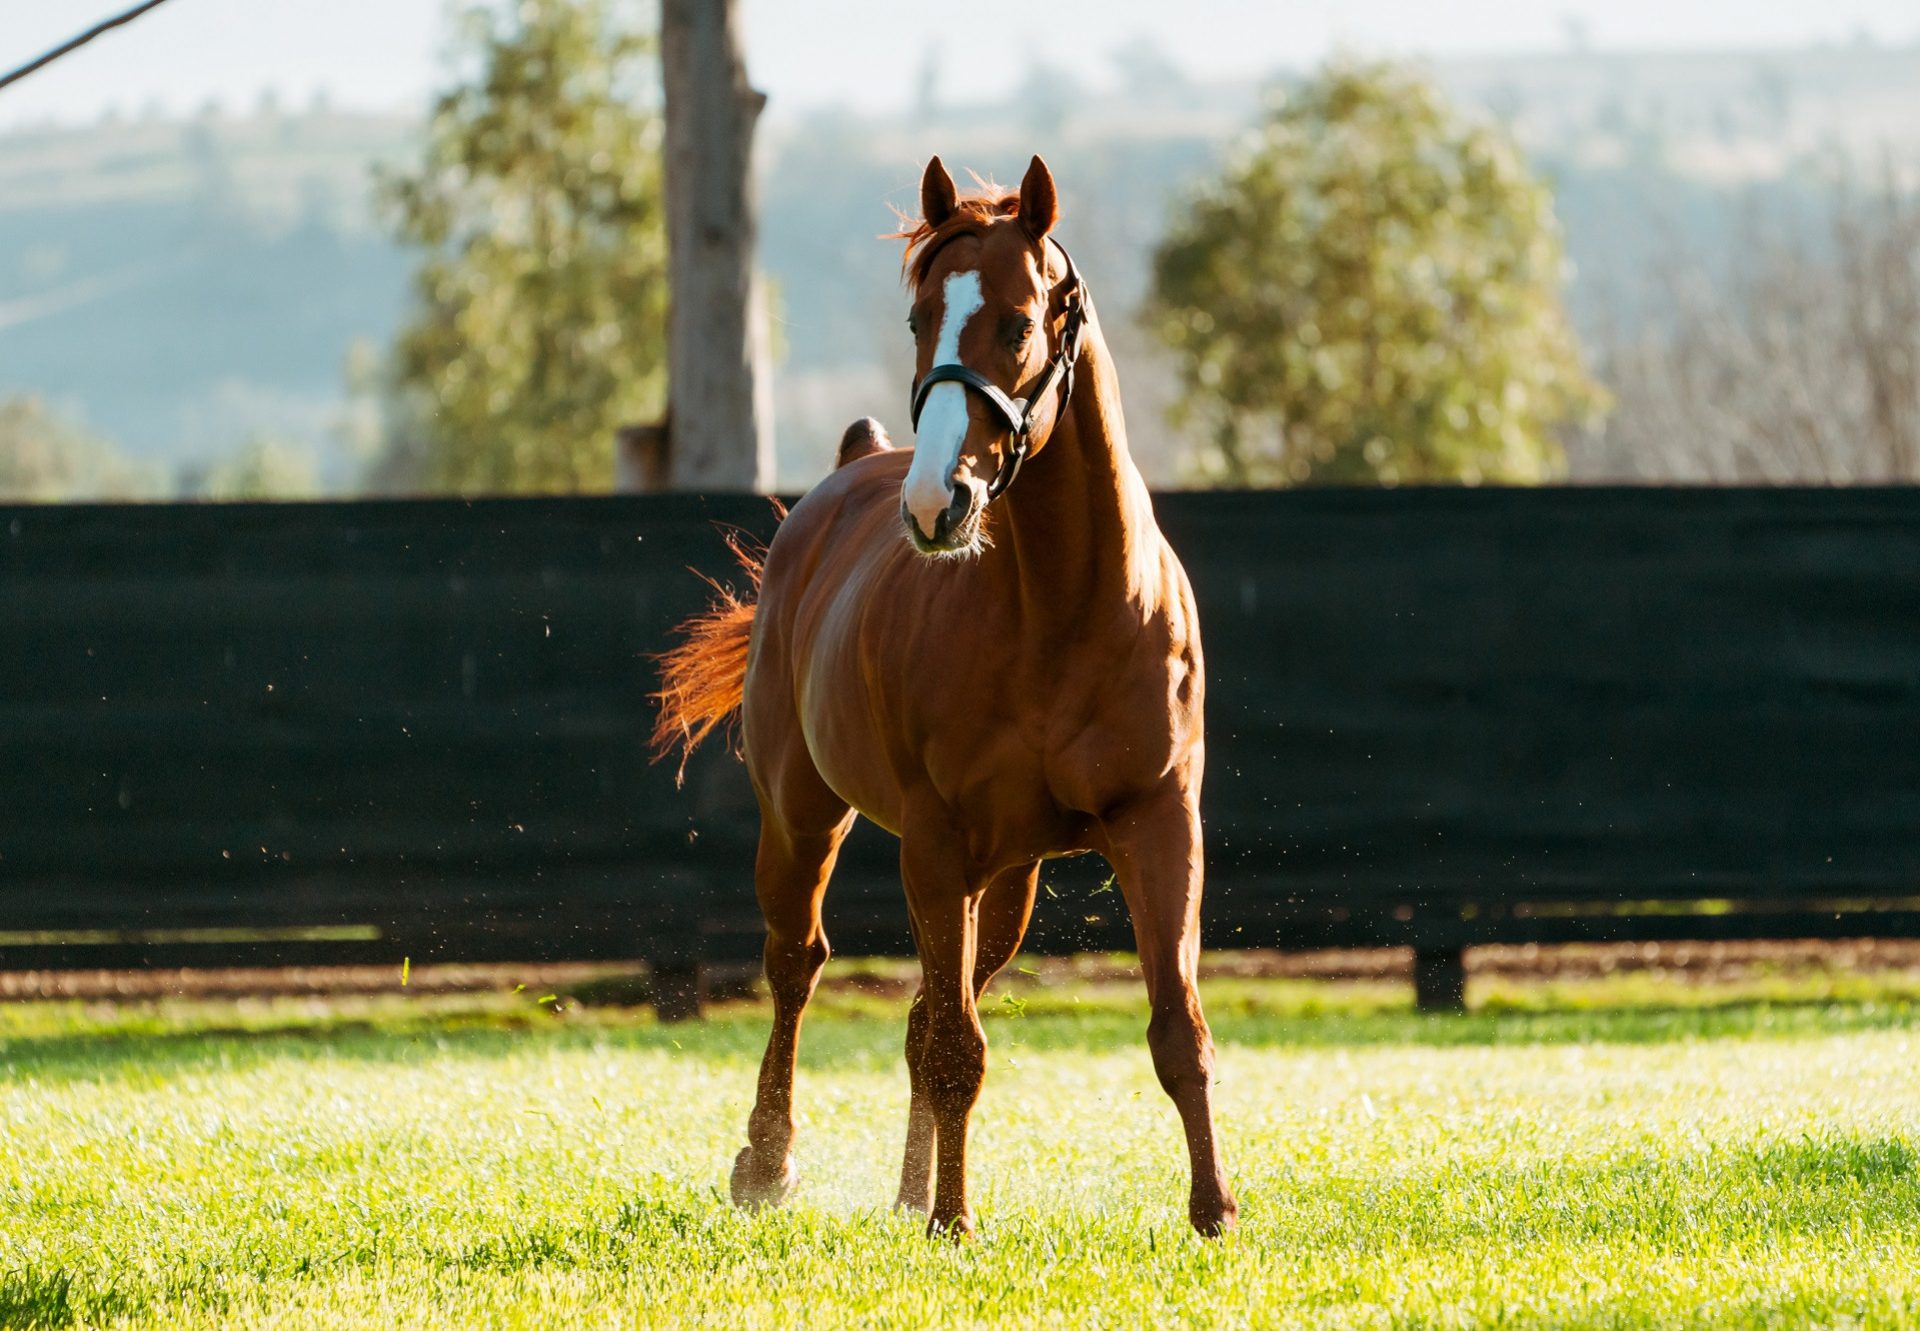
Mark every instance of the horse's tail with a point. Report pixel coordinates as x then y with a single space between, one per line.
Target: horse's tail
704 675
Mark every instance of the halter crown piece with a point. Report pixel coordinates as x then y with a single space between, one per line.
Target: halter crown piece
1017 412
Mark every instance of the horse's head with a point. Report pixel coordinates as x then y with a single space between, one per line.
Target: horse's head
990 320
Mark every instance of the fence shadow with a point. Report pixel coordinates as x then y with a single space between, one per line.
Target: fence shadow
867 1036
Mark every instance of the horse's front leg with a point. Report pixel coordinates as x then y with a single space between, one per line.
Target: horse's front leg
953 1053
1154 845
1000 922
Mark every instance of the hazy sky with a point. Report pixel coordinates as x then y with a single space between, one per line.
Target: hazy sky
384 53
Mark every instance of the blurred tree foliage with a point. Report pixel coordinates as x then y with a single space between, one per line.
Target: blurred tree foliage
1370 293
542 299
45 459
261 468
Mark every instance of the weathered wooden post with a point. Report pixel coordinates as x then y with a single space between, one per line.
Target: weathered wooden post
1440 979
640 458
719 391
673 948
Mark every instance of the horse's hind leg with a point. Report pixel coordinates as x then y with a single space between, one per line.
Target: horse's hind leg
790 878
1154 847
1000 922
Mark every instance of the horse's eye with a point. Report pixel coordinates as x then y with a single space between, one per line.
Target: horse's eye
913 324
1021 330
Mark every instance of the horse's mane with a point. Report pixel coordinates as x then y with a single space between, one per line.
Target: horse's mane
971 216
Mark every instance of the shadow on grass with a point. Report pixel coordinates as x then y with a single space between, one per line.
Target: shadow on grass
869 1036
33 1297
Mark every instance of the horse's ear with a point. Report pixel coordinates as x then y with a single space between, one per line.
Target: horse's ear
937 194
1039 205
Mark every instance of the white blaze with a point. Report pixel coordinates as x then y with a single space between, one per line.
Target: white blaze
943 421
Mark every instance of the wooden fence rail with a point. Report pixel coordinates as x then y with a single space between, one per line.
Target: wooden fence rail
298 733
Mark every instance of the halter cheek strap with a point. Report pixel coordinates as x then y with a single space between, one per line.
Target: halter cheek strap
1017 412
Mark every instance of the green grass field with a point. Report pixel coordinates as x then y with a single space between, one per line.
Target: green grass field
1629 1152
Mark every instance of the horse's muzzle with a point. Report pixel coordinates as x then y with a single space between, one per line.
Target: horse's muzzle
956 527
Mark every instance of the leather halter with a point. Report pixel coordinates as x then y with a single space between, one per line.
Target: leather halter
1017 412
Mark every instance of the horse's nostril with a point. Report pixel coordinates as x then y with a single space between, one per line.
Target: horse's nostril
919 529
925 511
937 528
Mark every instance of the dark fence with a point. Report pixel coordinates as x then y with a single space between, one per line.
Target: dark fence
270 734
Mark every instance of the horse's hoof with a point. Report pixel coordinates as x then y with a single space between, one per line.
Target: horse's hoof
955 1229
753 1188
1214 1218
909 1206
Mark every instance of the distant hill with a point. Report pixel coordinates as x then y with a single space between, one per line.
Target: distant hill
185 286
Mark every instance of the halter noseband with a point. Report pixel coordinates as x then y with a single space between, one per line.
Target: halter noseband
1017 412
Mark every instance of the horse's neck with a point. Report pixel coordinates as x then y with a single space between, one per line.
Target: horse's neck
1079 520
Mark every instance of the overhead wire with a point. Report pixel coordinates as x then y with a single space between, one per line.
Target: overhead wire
105 25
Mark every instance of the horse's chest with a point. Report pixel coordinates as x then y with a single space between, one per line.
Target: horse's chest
940 710
883 748
986 776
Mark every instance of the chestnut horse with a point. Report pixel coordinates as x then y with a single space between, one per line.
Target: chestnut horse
997 674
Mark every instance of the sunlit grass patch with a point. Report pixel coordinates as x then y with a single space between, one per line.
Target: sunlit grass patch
1604 1154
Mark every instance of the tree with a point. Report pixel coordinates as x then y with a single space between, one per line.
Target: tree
261 468
44 459
1370 293
543 297
720 432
